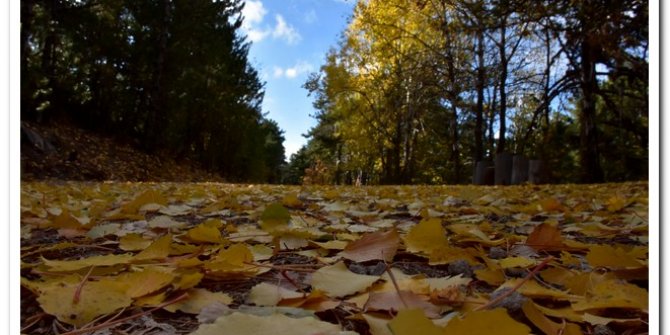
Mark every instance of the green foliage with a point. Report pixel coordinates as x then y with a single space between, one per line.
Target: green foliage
171 75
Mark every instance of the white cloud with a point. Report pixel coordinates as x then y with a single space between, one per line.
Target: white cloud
253 13
278 72
294 71
285 31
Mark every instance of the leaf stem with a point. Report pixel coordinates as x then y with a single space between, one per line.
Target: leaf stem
134 316
516 287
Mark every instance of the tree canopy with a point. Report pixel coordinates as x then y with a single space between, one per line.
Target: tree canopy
172 76
419 91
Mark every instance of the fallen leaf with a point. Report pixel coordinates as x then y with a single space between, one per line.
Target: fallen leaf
147 281
159 249
337 281
614 294
545 324
381 245
495 321
275 218
397 301
95 299
426 236
97 261
276 324
545 237
411 322
199 298
612 257
265 294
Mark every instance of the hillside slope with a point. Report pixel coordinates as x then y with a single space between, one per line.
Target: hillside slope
65 152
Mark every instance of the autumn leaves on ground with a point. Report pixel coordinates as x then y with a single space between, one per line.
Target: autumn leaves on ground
177 258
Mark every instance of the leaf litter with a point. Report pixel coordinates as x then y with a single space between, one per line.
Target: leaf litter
169 258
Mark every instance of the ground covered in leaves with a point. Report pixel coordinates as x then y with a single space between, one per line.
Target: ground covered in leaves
170 258
62 151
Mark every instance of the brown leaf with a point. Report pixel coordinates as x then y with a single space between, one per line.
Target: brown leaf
545 237
396 301
378 245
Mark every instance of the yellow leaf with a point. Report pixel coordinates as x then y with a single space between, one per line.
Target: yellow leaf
615 204
148 197
236 259
411 322
381 245
291 201
331 245
533 289
199 298
275 218
491 276
426 236
188 280
545 324
447 254
609 256
512 262
145 282
551 205
378 325
614 294
396 301
265 294
133 242
337 281
159 249
557 275
150 300
97 261
204 233
67 221
276 324
562 313
315 301
495 321
95 299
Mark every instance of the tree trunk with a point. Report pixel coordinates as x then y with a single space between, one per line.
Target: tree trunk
157 97
589 153
27 85
503 89
479 112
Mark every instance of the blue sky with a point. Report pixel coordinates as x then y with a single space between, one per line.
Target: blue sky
290 39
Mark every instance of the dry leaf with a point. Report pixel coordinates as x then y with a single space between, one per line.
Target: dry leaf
411 322
276 324
495 321
337 281
426 236
378 245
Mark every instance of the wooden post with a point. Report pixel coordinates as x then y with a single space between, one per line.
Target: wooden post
483 174
536 171
519 169
503 168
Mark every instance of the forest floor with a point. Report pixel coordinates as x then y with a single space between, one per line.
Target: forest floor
165 257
